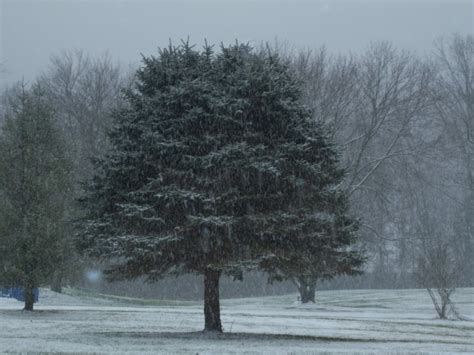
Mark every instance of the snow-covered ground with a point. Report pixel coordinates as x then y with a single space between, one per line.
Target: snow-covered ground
352 321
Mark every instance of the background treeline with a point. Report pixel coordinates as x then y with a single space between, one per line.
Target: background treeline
404 125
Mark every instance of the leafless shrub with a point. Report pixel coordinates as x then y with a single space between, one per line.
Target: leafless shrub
439 272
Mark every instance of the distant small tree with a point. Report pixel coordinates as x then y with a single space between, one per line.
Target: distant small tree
332 250
307 269
34 187
439 272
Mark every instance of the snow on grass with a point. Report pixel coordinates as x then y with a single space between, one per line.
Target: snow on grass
349 321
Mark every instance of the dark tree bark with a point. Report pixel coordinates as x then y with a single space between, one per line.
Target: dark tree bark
28 291
212 316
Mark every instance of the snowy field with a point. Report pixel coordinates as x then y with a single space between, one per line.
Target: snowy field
353 321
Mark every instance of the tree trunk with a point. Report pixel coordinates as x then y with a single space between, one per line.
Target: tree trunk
444 295
28 292
307 289
212 316
440 307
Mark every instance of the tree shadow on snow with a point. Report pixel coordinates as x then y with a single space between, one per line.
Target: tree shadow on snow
258 337
203 335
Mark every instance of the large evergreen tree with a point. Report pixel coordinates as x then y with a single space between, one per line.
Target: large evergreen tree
215 167
34 183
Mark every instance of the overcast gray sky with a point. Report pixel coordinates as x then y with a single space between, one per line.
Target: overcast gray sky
31 31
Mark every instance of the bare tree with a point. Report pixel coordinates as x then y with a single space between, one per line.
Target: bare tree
373 106
438 271
454 94
84 90
393 89
429 229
